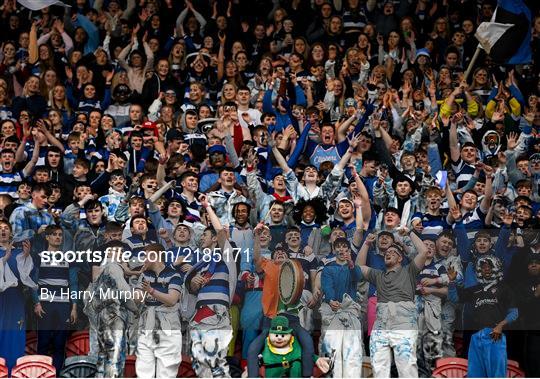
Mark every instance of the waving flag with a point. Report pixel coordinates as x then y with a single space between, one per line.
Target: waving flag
507 37
37 5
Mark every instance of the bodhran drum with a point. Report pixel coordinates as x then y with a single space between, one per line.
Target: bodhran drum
291 281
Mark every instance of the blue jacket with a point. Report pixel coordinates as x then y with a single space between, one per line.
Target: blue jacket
337 280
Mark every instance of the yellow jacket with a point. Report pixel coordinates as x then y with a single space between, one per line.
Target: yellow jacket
472 108
515 108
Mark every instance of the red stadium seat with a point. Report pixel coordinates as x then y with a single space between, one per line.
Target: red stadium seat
450 360
3 368
129 368
34 366
31 343
185 370
450 368
513 370
78 344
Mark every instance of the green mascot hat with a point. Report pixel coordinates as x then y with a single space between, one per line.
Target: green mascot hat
280 325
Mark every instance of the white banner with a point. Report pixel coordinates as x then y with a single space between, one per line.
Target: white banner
37 5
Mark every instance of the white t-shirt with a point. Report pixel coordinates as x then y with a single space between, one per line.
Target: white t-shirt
254 114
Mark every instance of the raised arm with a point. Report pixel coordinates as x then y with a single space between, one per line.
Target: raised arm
451 204
50 137
361 258
27 170
359 232
421 249
364 198
257 258
221 57
343 127
453 137
488 191
216 224
122 57
33 46
279 157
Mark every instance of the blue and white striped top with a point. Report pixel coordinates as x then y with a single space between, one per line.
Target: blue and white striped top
166 280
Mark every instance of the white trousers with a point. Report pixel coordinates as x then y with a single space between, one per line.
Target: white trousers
347 348
402 343
158 360
342 338
209 349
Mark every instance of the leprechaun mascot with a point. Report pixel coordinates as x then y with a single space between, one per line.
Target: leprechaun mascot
282 354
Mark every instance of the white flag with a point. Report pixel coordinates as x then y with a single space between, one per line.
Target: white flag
37 5
488 33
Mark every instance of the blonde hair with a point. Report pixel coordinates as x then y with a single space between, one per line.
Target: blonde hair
25 92
65 104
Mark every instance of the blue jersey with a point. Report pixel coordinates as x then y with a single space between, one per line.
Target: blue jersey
322 154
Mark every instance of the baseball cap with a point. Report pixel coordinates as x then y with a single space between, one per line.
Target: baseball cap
217 149
386 233
399 249
422 52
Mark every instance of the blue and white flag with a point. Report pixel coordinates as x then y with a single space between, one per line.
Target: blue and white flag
507 37
441 178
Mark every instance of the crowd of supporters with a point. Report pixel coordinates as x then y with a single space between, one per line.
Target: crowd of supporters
347 135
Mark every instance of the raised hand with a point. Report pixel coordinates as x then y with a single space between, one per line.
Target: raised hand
511 140
204 201
69 73
455 212
508 218
259 228
488 170
354 141
497 116
370 239
222 38
251 158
